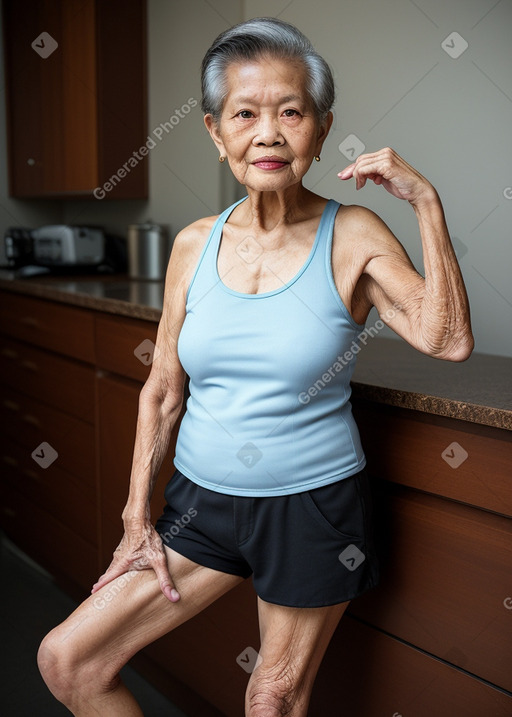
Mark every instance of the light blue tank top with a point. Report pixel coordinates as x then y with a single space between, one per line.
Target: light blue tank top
269 410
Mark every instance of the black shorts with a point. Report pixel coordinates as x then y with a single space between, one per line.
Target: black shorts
308 549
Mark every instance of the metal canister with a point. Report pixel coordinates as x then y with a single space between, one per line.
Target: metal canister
149 248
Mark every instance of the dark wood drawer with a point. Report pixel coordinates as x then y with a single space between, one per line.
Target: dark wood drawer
63 329
31 423
366 673
459 460
53 489
116 340
63 383
46 539
445 579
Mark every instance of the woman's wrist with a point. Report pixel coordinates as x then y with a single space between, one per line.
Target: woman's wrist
428 200
134 515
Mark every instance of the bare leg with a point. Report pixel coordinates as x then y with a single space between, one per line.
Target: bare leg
80 659
293 643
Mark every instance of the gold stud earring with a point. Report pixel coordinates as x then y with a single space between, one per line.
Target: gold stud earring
317 158
221 159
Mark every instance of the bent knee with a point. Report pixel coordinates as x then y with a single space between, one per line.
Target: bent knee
274 694
54 662
66 672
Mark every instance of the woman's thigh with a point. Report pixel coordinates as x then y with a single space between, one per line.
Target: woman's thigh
109 627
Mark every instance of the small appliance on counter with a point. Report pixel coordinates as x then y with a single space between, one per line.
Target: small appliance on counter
149 248
63 249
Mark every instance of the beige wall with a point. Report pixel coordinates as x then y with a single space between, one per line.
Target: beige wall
450 118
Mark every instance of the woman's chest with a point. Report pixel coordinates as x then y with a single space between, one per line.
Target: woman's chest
251 264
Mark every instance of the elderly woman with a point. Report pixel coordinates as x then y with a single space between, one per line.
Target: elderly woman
260 303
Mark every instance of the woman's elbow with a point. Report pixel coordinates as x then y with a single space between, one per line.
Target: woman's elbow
158 394
460 349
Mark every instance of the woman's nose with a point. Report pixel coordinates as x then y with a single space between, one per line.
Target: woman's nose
268 133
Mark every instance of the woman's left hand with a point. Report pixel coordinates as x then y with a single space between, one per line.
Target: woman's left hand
386 167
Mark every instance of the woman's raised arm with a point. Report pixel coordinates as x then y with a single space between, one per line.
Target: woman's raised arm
434 311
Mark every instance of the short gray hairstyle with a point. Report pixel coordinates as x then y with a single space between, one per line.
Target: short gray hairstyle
255 38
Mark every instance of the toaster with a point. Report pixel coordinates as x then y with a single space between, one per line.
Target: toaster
61 249
62 245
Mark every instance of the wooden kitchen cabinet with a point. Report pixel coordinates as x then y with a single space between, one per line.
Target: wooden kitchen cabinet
75 115
47 439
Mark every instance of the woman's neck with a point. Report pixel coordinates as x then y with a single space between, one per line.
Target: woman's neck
266 211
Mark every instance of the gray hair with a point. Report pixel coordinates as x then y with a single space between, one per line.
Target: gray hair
264 36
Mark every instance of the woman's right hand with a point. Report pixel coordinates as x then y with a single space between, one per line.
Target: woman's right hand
140 549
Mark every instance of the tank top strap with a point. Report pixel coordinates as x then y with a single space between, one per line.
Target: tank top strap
205 272
326 229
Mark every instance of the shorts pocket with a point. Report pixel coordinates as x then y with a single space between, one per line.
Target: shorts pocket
337 508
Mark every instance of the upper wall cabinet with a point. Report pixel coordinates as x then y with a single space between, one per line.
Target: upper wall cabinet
75 75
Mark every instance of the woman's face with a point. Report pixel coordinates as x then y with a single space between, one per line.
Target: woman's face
267 114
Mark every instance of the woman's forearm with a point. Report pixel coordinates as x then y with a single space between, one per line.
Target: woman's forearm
444 319
156 418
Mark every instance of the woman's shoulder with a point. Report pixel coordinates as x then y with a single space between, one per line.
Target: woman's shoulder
362 225
190 241
357 215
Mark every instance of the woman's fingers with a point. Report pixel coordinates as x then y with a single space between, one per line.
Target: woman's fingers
149 554
159 565
347 172
114 571
388 169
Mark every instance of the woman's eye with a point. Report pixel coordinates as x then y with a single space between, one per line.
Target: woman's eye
290 113
245 114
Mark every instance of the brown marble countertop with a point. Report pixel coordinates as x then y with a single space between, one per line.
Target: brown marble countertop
477 390
388 371
116 294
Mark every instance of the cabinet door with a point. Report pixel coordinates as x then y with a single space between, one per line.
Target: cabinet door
117 418
53 94
71 125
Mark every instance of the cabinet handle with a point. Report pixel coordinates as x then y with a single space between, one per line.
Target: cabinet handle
30 365
10 405
31 420
9 353
10 461
30 321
